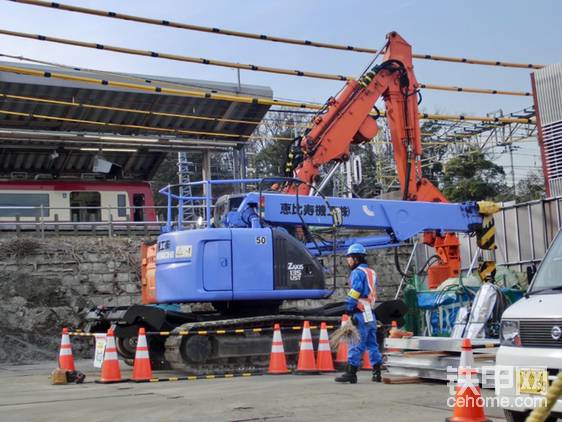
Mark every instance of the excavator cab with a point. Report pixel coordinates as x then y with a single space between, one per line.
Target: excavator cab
224 205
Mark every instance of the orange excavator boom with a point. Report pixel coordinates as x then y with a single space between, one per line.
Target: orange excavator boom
346 119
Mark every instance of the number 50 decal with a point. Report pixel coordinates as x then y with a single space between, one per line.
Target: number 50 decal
260 240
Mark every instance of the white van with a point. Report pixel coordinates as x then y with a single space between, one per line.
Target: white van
530 354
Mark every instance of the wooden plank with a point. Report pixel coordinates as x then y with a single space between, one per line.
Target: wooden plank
395 379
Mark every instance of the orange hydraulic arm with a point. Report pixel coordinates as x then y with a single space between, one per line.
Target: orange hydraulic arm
346 120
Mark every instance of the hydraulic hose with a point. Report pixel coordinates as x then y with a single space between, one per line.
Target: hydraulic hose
421 270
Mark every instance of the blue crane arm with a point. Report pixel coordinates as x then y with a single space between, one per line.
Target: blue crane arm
400 219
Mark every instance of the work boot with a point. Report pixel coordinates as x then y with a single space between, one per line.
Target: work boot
377 377
350 375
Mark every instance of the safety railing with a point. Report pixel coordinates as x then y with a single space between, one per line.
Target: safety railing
178 204
107 220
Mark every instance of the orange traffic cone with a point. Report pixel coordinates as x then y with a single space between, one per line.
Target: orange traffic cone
469 405
393 333
366 362
277 360
467 357
110 371
66 361
306 363
141 369
324 355
341 356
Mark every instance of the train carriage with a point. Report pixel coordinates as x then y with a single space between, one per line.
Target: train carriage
78 201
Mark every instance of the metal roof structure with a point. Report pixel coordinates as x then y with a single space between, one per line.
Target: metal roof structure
67 144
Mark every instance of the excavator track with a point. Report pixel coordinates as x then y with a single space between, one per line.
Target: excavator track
200 354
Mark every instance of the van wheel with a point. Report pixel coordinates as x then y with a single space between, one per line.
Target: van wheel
514 416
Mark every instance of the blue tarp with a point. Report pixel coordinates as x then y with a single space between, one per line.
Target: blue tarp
443 307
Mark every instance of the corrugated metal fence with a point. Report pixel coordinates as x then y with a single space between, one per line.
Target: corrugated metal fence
523 234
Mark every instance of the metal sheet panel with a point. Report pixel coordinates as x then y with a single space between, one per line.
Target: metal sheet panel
180 273
549 93
252 261
217 265
440 344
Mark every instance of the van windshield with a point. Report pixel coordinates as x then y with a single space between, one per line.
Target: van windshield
549 274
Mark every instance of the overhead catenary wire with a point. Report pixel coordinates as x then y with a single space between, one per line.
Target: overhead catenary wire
120 75
168 83
234 98
242 66
78 104
123 125
263 37
125 109
158 129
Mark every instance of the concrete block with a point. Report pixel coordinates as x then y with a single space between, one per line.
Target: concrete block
122 277
85 266
108 278
83 289
98 300
95 278
104 288
70 279
99 268
131 288
91 257
125 300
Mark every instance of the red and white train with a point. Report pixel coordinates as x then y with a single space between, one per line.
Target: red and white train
79 201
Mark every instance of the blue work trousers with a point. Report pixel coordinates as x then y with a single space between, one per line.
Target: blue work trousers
368 333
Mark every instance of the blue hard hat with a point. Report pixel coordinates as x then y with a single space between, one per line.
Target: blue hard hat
356 248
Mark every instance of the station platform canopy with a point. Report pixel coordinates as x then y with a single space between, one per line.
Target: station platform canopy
53 127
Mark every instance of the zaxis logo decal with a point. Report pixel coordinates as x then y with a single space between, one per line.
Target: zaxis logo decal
295 271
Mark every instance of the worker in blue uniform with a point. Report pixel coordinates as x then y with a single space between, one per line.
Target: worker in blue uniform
359 306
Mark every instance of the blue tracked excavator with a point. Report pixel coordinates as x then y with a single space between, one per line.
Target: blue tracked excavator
260 249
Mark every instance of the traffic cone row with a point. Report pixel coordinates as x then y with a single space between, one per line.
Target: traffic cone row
307 363
142 371
110 370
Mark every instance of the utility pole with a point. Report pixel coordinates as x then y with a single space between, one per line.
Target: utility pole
511 148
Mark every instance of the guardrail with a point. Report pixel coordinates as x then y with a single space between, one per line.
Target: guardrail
46 220
187 202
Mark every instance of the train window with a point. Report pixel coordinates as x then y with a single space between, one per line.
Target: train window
85 206
138 201
24 200
121 205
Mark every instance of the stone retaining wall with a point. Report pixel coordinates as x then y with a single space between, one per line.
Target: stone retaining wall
51 283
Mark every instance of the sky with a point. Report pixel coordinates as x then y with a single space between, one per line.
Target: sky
516 31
